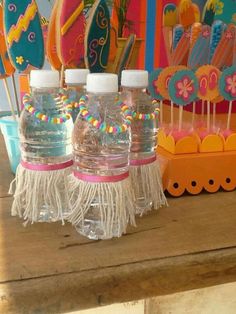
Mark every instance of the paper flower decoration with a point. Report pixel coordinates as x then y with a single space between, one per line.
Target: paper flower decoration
228 83
183 87
152 87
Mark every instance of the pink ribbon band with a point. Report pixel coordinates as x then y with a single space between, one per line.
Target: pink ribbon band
99 179
43 167
140 162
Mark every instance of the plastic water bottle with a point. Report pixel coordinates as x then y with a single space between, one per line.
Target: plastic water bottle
75 80
46 152
144 170
102 196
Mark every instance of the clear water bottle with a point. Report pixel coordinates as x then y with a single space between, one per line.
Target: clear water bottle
143 170
101 164
46 152
75 80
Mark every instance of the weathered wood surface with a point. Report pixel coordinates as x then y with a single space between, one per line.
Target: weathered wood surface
47 268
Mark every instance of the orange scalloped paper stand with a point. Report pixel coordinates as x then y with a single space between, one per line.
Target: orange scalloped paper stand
195 172
185 145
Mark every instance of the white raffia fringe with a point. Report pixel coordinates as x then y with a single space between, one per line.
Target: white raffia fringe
35 189
146 180
116 204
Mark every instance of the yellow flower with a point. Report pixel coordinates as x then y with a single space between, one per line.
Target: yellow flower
219 7
20 60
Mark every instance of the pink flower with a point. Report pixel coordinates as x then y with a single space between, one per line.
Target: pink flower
184 88
231 84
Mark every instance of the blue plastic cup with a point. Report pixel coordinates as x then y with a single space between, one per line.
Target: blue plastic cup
10 133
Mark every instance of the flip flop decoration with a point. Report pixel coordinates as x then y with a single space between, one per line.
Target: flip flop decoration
153 90
51 46
70 27
227 86
182 88
97 37
23 33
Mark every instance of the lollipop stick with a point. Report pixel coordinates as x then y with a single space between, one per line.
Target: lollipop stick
15 94
161 112
208 116
214 115
172 114
62 76
180 117
229 115
203 104
193 115
9 98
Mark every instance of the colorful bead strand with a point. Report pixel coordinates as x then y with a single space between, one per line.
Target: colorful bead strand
27 101
147 116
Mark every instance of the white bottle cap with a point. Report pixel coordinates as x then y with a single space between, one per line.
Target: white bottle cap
44 78
102 83
76 76
134 78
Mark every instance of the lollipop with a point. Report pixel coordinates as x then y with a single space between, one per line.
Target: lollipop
163 83
97 37
51 49
24 35
70 28
208 78
183 90
6 69
228 89
153 89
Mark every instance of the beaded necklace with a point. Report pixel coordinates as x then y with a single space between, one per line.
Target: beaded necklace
62 118
147 116
103 126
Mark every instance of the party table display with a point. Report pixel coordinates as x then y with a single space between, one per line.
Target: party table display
202 67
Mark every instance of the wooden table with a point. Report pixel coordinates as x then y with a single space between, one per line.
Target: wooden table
47 268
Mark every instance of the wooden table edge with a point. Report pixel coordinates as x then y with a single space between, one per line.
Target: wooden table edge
73 291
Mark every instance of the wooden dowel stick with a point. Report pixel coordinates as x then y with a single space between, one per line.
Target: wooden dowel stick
193 114
15 95
214 115
229 115
208 116
161 112
181 108
172 114
203 105
9 98
62 76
